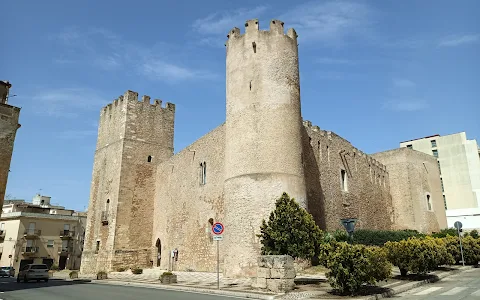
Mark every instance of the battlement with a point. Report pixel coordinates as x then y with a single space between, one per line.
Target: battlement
252 27
132 97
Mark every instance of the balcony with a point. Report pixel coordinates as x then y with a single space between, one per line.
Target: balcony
104 217
32 233
65 250
2 234
67 234
29 251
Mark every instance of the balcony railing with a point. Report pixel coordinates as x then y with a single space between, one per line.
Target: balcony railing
67 234
30 250
32 233
104 217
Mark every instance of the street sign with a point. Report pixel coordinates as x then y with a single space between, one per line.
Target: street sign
218 228
218 237
458 225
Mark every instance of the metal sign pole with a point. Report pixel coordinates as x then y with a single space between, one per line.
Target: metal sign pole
218 266
461 246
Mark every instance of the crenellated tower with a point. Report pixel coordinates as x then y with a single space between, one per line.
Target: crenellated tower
263 154
133 138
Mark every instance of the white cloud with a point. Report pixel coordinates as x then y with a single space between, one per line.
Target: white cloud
458 40
76 134
329 22
402 82
159 69
406 105
222 22
66 102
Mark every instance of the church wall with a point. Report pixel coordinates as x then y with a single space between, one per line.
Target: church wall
366 196
413 176
183 205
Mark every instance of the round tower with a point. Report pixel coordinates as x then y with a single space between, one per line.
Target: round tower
263 151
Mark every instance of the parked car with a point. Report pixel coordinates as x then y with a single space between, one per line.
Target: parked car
7 272
33 272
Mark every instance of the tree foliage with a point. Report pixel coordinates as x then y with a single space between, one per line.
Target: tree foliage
351 266
380 237
290 230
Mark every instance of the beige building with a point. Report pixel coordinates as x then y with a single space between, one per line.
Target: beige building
39 232
8 128
146 201
459 164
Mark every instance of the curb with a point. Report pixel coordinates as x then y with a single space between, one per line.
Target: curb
411 285
236 294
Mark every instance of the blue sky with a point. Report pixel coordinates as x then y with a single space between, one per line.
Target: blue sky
374 72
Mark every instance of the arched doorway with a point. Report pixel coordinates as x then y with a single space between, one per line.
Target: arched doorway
158 244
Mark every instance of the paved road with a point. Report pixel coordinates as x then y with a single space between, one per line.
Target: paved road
465 286
61 290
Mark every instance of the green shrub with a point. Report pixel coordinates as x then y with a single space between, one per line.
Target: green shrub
121 269
474 234
380 237
471 250
137 271
453 247
413 255
54 267
167 273
73 274
442 255
290 230
444 232
351 266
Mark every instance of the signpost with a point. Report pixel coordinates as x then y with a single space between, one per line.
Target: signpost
459 225
217 230
349 225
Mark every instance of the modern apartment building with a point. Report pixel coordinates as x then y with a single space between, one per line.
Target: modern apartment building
459 164
39 232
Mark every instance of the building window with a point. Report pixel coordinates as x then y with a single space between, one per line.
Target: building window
434 143
429 202
441 181
439 169
344 180
409 146
149 159
50 244
445 202
98 247
435 153
203 173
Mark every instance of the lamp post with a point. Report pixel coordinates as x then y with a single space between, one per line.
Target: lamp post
349 225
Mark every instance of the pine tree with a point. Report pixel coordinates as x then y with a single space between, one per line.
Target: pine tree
290 230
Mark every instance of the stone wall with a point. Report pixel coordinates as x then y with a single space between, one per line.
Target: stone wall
275 273
8 128
413 176
184 206
366 195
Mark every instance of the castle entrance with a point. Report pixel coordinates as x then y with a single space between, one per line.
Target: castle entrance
158 244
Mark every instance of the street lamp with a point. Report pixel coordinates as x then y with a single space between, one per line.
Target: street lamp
349 225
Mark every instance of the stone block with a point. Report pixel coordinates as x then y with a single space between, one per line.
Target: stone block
275 261
260 283
280 285
263 273
283 273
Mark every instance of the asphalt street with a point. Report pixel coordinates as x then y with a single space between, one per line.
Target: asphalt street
61 290
465 286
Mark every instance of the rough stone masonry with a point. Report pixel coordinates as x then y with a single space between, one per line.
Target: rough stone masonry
146 201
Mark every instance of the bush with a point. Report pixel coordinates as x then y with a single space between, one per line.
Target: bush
453 247
380 237
73 274
121 269
474 234
444 232
290 230
413 255
471 250
54 268
442 254
137 271
351 266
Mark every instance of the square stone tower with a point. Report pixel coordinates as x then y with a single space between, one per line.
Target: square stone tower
133 138
8 128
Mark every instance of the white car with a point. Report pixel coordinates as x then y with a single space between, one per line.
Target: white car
33 272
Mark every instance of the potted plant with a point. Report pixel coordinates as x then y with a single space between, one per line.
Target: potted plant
168 277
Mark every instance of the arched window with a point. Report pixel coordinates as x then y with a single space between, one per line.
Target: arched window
203 173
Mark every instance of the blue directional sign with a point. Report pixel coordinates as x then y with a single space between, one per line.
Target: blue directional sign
218 228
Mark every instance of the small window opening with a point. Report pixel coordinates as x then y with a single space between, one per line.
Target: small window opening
203 174
429 202
434 143
343 175
149 158
435 153
254 47
445 202
409 146
250 85
97 247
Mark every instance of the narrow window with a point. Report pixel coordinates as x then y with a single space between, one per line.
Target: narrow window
343 176
435 153
203 173
107 205
441 181
409 146
445 202
98 247
328 155
429 202
149 158
434 143
439 169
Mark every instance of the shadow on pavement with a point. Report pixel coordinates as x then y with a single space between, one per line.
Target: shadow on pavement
11 284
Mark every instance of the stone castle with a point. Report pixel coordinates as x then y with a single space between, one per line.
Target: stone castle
146 201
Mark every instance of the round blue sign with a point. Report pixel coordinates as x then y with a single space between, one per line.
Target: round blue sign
218 228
